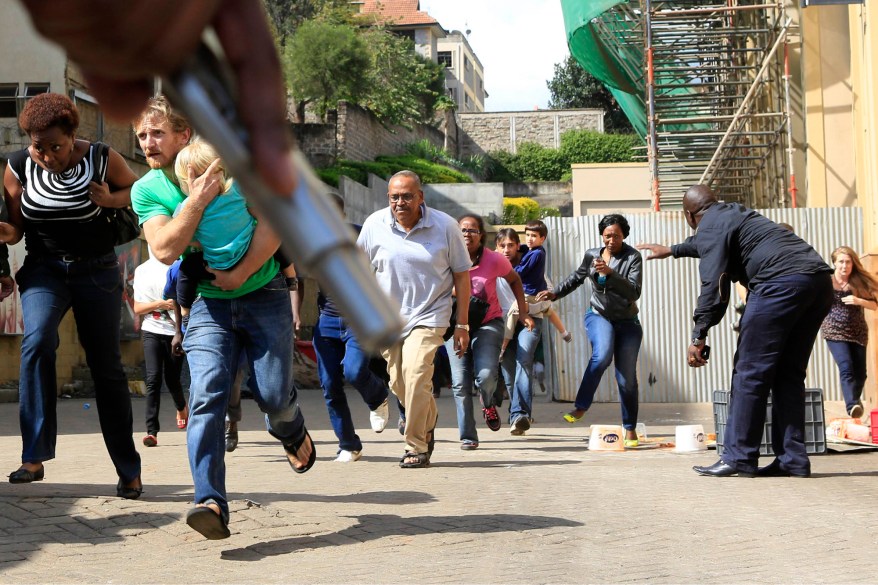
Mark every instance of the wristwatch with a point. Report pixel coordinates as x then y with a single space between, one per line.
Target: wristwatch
698 342
460 326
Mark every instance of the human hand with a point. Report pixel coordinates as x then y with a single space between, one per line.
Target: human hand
849 300
100 195
166 305
461 342
656 252
601 267
205 187
529 322
7 286
121 45
177 344
695 359
545 295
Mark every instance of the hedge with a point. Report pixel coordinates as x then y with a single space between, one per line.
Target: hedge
534 162
387 166
519 210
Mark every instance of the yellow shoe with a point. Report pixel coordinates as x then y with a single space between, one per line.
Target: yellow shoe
572 418
632 443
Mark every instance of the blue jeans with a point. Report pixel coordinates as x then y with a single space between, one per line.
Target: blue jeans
851 360
518 370
479 365
612 341
778 330
93 289
340 357
261 324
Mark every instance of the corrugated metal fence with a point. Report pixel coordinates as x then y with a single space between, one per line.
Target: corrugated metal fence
670 289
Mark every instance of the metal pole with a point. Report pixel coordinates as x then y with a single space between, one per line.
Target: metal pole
650 100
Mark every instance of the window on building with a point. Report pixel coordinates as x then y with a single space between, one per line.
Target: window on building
8 95
452 94
445 59
32 89
466 64
466 101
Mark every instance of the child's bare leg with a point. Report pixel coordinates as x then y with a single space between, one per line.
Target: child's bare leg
556 321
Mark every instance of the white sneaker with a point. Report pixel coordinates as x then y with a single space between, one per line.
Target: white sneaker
378 417
856 410
348 456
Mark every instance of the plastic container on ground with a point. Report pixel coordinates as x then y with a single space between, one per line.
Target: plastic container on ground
815 421
873 419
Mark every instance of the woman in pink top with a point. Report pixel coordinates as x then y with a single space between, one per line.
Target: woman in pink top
479 365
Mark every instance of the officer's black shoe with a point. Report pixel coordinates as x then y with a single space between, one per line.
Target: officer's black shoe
775 469
721 469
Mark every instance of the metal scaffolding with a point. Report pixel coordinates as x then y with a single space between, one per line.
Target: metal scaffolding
714 86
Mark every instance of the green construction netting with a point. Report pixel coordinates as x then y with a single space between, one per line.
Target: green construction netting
596 58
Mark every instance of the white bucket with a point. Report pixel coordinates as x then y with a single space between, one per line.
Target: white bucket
690 438
606 438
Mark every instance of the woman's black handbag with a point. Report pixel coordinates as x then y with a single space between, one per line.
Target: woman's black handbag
126 226
478 310
123 221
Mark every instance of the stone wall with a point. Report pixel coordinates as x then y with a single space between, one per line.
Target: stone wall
483 132
360 136
317 141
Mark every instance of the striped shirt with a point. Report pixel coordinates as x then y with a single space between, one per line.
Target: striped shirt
59 216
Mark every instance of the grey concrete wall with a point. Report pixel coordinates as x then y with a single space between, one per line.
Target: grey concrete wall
455 199
482 132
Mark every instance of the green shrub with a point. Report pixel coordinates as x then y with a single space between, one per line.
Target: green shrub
533 162
538 163
386 166
588 146
549 212
499 167
519 210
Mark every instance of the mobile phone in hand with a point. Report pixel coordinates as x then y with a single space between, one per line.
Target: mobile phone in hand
705 353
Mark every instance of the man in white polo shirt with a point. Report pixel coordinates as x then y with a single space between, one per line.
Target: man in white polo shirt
418 254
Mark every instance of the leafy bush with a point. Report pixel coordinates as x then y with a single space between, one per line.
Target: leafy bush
386 166
519 210
587 146
538 163
549 212
533 162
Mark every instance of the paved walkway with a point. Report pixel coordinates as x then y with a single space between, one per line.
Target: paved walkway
532 509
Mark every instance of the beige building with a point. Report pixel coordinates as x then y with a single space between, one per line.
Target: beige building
601 188
464 77
464 74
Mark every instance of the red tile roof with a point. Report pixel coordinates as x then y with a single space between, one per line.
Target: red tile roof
398 12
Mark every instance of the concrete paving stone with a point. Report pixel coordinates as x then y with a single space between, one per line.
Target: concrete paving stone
563 511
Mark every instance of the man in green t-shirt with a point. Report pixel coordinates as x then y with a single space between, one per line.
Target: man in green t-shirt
246 308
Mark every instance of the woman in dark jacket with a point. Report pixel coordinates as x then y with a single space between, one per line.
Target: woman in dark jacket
615 272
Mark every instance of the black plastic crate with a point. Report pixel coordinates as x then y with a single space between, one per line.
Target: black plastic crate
815 429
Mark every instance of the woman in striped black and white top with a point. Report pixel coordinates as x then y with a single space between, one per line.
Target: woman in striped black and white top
58 192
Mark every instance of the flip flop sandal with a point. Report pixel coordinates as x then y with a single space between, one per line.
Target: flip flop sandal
293 449
420 460
572 418
208 523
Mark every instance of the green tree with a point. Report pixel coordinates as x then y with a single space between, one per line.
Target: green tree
574 87
325 63
404 87
286 16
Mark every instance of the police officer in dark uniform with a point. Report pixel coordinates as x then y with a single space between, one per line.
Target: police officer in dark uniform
790 292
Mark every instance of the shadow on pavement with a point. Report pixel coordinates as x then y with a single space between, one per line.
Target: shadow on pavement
374 526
